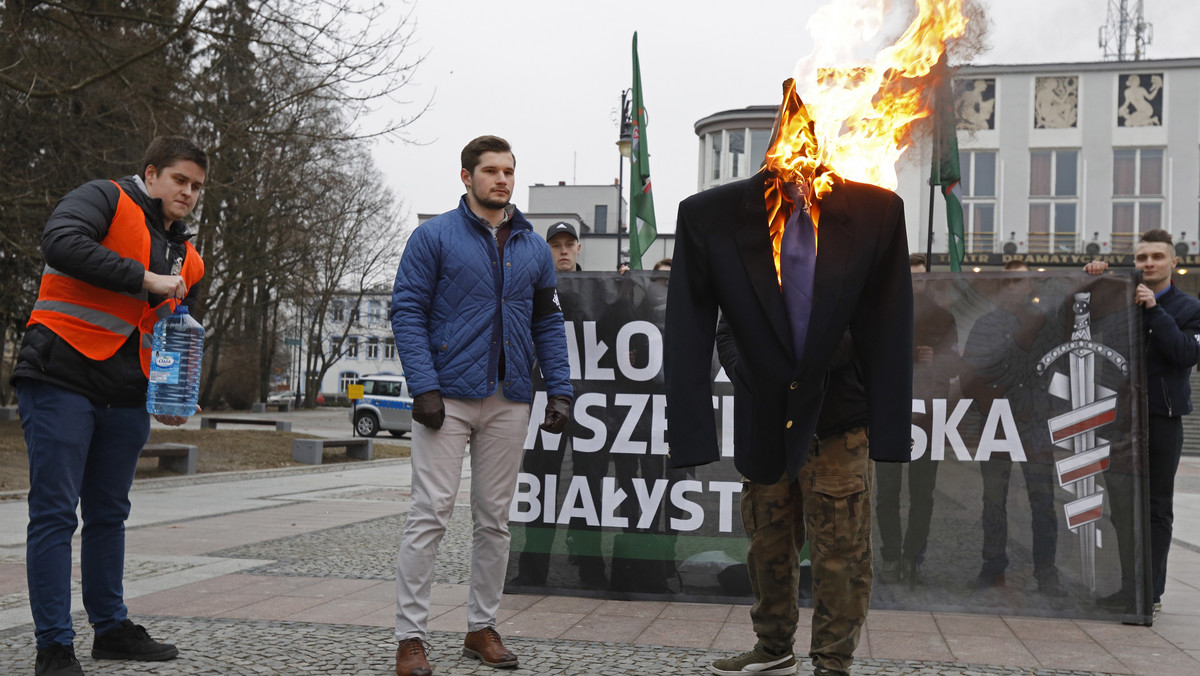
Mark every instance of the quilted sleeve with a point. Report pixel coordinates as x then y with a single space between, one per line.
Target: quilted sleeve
412 303
549 336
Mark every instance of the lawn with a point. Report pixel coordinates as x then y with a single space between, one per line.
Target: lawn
219 451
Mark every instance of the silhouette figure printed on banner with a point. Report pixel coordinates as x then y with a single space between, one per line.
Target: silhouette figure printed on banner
935 362
1000 358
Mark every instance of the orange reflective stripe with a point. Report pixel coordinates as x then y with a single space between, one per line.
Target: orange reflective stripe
92 341
69 289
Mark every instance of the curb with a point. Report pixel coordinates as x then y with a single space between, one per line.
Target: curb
236 475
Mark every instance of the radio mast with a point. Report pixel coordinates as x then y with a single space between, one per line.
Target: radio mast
1125 36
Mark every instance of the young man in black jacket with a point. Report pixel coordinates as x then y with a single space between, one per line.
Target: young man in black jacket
117 257
1171 319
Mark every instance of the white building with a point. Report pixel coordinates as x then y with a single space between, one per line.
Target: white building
1058 160
369 347
602 206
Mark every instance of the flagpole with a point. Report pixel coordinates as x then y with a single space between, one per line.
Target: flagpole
624 145
933 157
620 186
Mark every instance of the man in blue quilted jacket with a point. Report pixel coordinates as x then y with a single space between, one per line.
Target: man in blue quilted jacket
473 306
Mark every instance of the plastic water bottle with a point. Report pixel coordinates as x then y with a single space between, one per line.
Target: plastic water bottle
175 360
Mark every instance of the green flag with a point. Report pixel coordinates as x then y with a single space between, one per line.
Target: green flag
944 172
642 229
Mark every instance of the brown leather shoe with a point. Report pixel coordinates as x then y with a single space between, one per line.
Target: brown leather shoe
410 658
485 646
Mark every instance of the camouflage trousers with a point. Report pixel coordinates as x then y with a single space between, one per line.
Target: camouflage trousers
830 501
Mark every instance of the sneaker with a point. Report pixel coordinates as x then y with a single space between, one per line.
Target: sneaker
758 662
57 660
411 660
485 645
131 641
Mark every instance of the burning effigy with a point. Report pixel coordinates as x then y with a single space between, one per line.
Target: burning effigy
858 118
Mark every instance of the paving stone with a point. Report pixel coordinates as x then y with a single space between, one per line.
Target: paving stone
363 550
255 647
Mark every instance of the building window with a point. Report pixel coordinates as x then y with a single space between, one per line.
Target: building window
979 199
715 158
335 347
759 138
372 348
346 378
737 153
352 347
337 311
600 218
389 348
1053 201
374 312
1137 195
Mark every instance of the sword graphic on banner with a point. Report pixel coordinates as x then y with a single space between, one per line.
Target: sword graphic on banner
1092 407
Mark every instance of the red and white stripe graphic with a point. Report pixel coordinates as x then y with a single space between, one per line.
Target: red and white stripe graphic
1082 465
1084 510
1083 419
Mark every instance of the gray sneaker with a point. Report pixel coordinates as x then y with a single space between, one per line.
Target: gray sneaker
757 662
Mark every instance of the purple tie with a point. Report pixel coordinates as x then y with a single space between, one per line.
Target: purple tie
797 265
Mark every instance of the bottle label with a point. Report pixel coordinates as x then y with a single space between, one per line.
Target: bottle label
164 367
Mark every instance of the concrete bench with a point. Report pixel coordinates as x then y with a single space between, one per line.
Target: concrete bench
9 413
179 458
262 406
210 423
308 451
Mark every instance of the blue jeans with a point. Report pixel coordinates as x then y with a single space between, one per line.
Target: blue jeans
80 453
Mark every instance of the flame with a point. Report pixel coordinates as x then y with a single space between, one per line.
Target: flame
858 118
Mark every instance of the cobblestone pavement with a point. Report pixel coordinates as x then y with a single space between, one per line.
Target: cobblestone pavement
231 647
364 550
342 527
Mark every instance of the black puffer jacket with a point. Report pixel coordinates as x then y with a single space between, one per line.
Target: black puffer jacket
71 244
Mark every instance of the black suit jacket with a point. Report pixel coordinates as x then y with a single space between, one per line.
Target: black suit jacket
723 259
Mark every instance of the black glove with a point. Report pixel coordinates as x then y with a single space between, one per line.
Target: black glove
558 412
429 410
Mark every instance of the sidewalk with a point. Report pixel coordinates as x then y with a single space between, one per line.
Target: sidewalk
289 572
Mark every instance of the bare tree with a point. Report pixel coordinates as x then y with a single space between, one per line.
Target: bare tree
277 90
356 251
79 98
281 99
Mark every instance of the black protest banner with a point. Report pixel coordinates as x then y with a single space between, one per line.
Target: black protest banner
1026 493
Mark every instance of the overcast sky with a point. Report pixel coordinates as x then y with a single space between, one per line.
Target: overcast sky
547 75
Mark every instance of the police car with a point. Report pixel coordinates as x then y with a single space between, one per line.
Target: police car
386 405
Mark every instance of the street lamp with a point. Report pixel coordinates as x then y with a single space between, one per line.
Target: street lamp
625 145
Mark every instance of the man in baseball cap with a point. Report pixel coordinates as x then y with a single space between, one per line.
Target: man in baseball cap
565 245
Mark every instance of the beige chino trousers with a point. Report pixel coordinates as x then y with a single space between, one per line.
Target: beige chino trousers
494 430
